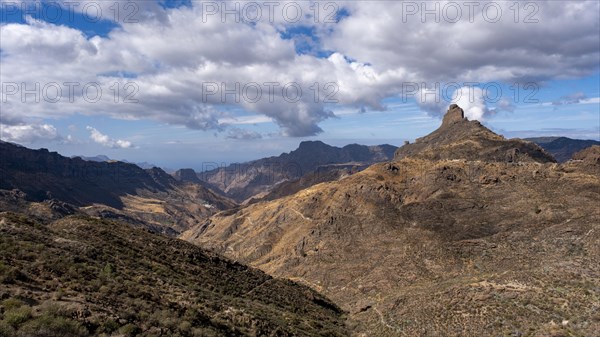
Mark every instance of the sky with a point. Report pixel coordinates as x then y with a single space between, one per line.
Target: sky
194 83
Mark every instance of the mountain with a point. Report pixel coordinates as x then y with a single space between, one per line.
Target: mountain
562 148
112 189
321 174
103 158
187 175
459 139
242 181
464 233
78 276
144 165
98 158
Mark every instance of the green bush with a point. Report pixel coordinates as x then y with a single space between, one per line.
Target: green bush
12 303
16 317
109 326
51 326
6 330
130 330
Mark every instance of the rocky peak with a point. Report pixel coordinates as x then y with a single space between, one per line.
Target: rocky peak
187 175
454 115
459 138
313 145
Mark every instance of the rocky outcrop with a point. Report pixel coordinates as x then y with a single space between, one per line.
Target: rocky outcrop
188 175
454 115
459 138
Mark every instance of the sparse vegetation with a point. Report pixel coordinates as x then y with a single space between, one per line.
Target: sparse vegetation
79 276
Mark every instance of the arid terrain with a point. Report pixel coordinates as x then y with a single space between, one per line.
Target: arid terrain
465 233
79 276
461 233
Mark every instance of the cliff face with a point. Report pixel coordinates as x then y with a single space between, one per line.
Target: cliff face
452 238
454 115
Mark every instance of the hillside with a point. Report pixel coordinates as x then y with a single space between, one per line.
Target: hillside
108 189
245 180
562 148
464 234
322 174
78 276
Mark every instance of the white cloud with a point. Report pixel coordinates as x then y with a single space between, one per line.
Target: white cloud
105 140
28 133
563 42
472 101
171 53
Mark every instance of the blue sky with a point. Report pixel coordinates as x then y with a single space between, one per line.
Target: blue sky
160 67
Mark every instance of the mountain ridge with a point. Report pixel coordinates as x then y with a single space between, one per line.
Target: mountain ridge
108 189
563 148
245 180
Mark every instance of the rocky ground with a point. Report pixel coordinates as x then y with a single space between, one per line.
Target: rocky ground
78 276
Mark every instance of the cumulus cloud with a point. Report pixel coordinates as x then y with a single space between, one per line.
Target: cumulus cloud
171 54
431 101
105 140
472 101
557 41
28 133
504 105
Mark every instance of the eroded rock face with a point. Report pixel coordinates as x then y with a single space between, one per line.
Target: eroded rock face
454 115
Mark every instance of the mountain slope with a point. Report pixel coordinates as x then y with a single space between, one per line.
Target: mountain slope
562 148
242 181
78 276
108 189
453 238
322 174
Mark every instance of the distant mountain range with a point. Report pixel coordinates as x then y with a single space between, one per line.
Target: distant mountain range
245 180
562 148
103 158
